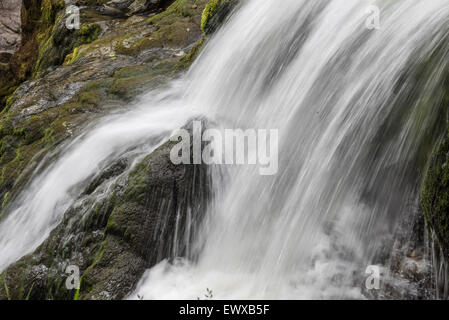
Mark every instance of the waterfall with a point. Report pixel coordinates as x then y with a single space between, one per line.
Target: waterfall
42 205
354 123
357 110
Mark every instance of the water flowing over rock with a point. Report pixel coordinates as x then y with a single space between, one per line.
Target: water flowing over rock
136 211
116 230
87 181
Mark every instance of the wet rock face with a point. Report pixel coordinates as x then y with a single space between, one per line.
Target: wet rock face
74 77
131 7
435 204
108 62
436 194
405 261
10 31
113 238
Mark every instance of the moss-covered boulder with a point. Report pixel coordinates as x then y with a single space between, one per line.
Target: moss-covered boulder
106 66
215 13
61 41
113 239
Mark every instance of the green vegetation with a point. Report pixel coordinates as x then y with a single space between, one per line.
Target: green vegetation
39 116
54 50
186 61
215 13
435 195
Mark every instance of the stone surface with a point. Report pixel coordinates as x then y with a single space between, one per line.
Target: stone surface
10 30
113 238
58 82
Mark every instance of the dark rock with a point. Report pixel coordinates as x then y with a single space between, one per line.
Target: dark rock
108 235
113 239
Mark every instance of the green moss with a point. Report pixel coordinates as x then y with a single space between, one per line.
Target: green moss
48 137
10 100
87 33
173 27
48 13
130 81
7 290
4 203
47 54
12 285
43 56
112 226
83 49
186 61
131 71
49 8
137 183
209 11
51 53
5 200
72 57
214 14
132 49
43 52
12 169
179 8
90 97
99 255
24 141
31 138
77 293
435 195
6 127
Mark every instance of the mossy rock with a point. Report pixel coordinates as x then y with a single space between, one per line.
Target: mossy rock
130 81
103 231
37 18
215 13
186 61
62 41
113 240
435 196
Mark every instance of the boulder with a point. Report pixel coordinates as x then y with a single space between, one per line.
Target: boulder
153 209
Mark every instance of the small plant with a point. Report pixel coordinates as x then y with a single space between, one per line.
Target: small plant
6 288
208 296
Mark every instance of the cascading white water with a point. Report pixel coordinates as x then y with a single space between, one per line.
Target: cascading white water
40 208
347 171
351 130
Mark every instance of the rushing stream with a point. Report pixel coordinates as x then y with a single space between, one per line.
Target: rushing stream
352 109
